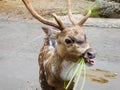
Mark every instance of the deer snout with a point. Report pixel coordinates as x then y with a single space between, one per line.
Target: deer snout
90 54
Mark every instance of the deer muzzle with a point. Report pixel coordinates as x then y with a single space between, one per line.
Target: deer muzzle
89 55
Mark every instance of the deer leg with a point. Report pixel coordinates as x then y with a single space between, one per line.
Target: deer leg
43 82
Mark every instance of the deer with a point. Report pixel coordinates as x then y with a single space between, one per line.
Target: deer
61 49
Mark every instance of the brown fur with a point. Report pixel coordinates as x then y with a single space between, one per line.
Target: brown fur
51 80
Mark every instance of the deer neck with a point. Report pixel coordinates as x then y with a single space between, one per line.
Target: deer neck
55 62
59 65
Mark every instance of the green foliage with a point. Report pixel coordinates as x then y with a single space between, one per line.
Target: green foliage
94 12
105 9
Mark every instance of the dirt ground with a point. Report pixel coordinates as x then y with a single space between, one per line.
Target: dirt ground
15 8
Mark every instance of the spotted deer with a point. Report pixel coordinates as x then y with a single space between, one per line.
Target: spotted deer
61 49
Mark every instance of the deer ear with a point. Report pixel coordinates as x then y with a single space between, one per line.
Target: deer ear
52 33
46 30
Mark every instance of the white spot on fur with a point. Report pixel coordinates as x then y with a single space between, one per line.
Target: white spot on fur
50 42
51 49
45 73
53 68
40 71
44 63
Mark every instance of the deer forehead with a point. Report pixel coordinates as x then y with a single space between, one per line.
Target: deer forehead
72 32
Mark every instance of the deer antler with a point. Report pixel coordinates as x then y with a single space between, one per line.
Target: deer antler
58 21
84 18
72 19
40 18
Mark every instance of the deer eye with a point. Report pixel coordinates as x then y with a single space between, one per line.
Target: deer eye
68 41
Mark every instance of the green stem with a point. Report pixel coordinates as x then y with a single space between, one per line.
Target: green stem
79 74
69 72
83 83
72 77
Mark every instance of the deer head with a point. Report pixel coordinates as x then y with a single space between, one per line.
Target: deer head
71 41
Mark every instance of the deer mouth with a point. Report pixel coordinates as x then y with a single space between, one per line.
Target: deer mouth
89 61
88 56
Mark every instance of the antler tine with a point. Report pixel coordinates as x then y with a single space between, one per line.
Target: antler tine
38 17
74 22
58 21
84 18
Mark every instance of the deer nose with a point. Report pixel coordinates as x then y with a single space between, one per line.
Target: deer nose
90 54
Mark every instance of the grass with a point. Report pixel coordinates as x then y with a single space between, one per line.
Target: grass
77 74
